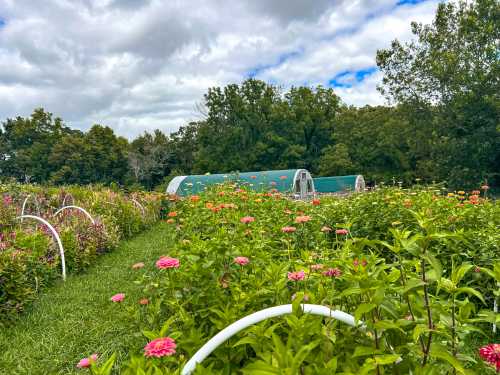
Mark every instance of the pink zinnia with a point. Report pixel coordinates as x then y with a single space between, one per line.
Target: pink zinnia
143 301
333 272
138 265
302 219
342 232
86 362
247 219
296 276
167 262
242 261
491 354
118 297
164 346
288 229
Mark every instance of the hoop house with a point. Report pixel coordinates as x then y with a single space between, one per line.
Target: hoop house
340 184
291 181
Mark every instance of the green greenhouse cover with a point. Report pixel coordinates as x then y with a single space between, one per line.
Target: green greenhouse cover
282 180
335 184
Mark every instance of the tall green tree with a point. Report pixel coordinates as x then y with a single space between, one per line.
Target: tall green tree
448 80
26 143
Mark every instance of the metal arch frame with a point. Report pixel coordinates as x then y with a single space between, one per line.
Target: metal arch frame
26 201
55 235
77 208
257 317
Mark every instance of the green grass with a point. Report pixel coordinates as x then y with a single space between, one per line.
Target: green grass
74 319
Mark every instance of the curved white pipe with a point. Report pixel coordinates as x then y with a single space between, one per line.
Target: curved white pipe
26 201
257 317
56 236
140 206
66 196
76 208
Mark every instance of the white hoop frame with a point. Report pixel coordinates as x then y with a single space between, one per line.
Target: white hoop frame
55 235
257 317
23 209
140 206
65 197
76 208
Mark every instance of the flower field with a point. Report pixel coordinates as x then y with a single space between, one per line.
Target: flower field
29 257
418 270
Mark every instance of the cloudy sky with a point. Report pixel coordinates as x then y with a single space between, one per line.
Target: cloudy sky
137 65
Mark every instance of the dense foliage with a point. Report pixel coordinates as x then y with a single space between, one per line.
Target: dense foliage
29 256
420 268
443 126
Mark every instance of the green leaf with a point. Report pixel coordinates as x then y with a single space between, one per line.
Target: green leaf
458 274
419 330
363 351
441 352
413 284
386 359
246 340
470 291
363 309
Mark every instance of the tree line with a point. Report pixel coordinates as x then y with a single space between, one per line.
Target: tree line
442 123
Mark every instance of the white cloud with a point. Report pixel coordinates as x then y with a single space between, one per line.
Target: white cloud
138 65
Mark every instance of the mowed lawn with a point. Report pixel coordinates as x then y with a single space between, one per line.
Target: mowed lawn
74 319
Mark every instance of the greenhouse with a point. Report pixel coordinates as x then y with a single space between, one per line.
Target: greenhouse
339 184
297 182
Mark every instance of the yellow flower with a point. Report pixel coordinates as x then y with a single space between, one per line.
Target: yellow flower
451 194
461 192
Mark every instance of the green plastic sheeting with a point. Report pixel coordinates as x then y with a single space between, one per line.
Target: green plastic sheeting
339 184
281 180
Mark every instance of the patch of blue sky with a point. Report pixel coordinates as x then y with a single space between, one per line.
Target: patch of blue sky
254 72
2 22
348 78
409 2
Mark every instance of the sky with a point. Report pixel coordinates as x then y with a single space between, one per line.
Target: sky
140 65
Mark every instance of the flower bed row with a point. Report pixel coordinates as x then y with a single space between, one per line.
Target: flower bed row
29 257
419 268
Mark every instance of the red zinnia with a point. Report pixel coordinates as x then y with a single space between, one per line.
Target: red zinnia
172 214
342 232
316 202
491 354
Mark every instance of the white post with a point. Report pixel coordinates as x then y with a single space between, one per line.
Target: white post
76 208
257 317
56 236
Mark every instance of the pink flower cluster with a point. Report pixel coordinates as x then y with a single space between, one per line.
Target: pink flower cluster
242 261
333 272
247 219
164 346
86 362
491 354
118 297
296 276
167 262
288 229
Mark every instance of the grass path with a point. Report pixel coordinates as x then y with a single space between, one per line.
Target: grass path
75 319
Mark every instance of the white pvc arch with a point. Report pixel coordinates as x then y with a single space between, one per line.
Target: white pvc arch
140 206
56 236
66 197
23 209
257 317
76 208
